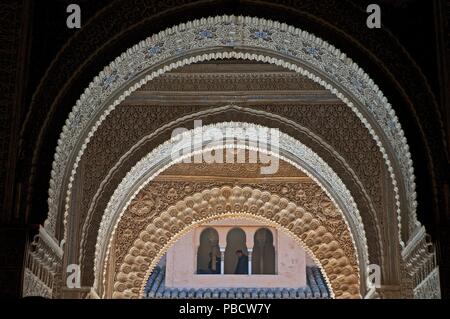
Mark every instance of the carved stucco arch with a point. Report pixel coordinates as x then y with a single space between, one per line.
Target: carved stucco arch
213 111
290 150
126 71
227 202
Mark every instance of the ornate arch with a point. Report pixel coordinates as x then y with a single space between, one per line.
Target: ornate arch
360 93
396 75
278 121
291 151
266 117
362 229
341 275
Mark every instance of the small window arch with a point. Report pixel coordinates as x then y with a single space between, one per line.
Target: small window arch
263 261
236 241
208 253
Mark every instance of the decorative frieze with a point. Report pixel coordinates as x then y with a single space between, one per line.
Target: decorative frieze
279 79
332 130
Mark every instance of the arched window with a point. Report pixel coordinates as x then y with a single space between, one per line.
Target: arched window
236 241
263 261
208 254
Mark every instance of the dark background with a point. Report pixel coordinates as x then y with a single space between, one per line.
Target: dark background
44 68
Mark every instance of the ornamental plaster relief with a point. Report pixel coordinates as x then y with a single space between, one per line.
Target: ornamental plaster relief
221 31
323 119
310 163
334 123
211 204
158 196
216 81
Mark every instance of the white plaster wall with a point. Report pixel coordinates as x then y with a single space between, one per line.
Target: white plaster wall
181 262
181 265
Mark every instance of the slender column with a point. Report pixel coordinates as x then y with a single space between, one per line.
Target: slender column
250 251
250 243
222 231
222 260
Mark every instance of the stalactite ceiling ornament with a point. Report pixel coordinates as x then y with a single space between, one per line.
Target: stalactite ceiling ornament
320 242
